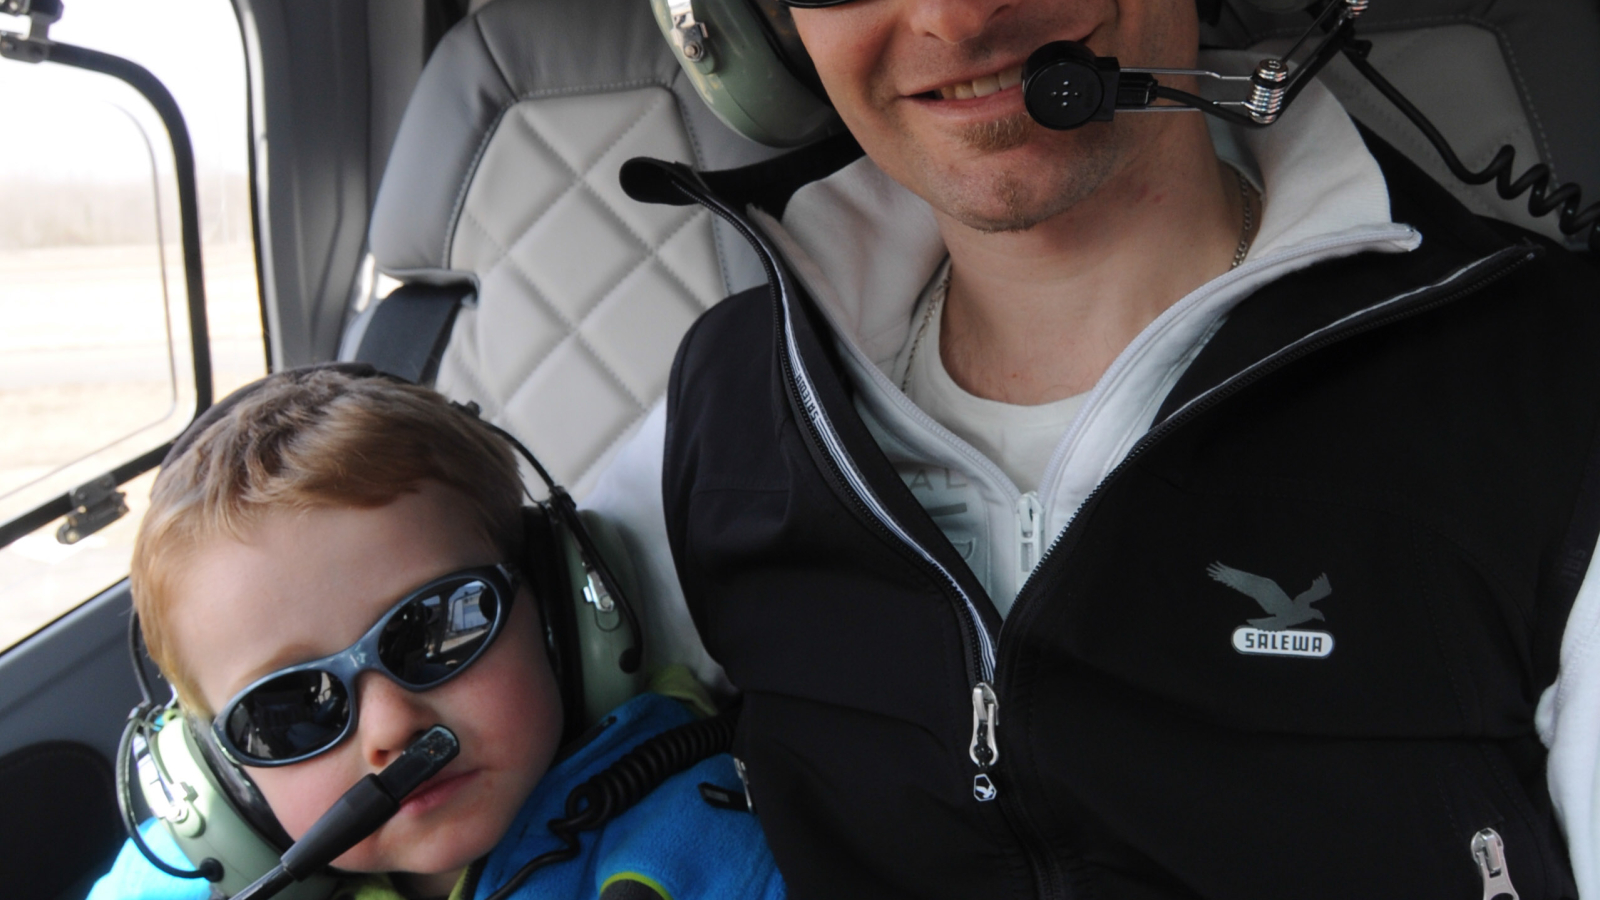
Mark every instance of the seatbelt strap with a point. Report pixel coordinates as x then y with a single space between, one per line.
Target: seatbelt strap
409 329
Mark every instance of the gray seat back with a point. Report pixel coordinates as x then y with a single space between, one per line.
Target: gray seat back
504 175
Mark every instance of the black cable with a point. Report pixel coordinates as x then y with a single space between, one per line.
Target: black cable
1324 55
1211 107
139 673
1567 198
625 782
1319 19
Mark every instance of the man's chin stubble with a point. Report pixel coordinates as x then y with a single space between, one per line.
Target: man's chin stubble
1020 205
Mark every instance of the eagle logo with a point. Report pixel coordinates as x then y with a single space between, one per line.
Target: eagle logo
1285 613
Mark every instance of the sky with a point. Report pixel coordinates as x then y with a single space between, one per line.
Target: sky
81 125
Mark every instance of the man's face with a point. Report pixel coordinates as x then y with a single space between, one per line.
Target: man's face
308 584
905 76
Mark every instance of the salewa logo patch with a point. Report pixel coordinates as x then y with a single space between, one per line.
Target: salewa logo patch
1271 635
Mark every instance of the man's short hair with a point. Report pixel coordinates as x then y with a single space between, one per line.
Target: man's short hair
306 439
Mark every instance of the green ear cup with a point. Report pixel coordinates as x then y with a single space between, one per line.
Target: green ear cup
724 48
201 819
602 632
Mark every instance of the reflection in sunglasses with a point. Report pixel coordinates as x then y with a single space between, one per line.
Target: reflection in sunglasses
425 639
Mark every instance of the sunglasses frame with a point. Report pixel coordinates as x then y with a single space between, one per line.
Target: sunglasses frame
362 656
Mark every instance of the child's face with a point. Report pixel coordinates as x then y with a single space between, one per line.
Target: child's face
306 585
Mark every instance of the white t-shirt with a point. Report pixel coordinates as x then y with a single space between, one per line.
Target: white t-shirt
1020 439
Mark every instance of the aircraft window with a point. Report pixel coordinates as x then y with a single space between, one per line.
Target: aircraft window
95 362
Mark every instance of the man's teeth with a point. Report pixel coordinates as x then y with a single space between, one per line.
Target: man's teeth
982 86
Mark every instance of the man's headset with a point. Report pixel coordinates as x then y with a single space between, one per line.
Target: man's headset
579 576
746 60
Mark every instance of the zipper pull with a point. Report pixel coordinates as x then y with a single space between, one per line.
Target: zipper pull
985 751
1490 854
1028 512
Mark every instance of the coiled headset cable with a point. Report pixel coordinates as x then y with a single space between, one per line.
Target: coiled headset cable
1066 86
1536 181
625 782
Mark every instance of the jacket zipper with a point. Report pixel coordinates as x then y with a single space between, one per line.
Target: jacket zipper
1489 852
984 749
1029 511
980 646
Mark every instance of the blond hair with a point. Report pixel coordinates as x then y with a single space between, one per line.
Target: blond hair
304 439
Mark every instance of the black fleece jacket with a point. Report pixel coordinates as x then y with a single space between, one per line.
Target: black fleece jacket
1415 431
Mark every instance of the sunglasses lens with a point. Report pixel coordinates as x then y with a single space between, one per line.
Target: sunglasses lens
434 635
291 715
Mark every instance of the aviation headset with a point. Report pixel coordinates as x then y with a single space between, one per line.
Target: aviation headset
208 804
746 61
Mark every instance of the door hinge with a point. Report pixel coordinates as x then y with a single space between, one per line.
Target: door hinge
34 47
94 506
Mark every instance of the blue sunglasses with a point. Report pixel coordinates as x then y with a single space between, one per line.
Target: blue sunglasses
429 637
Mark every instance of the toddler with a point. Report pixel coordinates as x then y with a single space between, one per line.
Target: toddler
289 577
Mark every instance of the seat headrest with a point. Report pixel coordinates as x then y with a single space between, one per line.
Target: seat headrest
504 53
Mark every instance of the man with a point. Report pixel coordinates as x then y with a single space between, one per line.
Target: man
1150 510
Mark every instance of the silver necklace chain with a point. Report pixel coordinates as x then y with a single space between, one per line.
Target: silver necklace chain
936 303
1248 224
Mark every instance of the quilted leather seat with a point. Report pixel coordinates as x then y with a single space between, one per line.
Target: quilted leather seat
504 176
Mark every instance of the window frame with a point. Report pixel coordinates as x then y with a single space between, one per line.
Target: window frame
37 48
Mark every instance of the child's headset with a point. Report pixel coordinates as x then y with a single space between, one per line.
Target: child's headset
580 577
